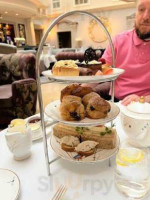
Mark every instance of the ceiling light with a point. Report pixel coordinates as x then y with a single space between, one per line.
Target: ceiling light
1 17
6 12
17 14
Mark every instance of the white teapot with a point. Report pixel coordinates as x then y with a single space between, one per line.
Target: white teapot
19 141
135 119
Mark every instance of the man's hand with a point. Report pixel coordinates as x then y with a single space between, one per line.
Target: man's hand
129 99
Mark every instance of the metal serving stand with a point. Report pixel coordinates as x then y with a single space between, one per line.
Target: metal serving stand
55 22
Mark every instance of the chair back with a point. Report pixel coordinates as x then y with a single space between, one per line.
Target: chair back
7 48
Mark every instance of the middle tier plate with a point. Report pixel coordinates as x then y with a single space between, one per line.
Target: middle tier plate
52 110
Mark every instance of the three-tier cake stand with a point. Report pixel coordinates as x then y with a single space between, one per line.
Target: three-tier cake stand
98 80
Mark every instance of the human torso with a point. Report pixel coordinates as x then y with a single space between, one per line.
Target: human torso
132 55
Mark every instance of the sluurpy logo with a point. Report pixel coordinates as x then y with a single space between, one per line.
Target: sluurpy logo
77 184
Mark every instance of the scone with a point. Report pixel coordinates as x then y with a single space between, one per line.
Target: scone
87 97
72 110
76 90
65 68
97 108
86 148
81 91
68 90
71 98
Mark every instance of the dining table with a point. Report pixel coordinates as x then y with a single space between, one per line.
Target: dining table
84 181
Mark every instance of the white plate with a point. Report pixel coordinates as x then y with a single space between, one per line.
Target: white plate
38 134
83 79
9 185
99 156
52 110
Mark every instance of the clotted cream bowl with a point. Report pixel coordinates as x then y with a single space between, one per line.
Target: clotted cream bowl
135 120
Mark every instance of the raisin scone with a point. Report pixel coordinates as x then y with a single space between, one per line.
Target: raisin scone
72 110
97 108
71 98
68 90
75 90
87 97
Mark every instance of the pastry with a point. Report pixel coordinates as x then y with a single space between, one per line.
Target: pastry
68 143
76 90
86 148
93 65
97 108
68 90
72 110
85 72
105 136
65 68
71 98
87 97
81 91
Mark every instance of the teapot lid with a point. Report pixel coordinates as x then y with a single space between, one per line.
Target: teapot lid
136 110
138 107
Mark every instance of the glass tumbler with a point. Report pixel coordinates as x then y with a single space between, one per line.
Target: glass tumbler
132 176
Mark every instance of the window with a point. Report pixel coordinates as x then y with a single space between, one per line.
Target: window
56 3
78 2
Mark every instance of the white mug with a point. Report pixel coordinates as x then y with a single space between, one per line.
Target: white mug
19 141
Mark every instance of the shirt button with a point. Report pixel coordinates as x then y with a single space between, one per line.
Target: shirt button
144 44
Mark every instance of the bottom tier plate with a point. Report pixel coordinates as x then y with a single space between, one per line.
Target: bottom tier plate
99 156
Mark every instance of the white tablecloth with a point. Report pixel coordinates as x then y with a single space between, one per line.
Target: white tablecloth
84 181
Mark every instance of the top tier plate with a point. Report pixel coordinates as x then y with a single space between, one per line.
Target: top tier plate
84 79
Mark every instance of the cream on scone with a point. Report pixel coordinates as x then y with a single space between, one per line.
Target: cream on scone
68 143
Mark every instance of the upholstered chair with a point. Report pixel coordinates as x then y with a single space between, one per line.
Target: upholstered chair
18 88
7 48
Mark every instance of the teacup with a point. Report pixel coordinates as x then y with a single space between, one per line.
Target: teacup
19 141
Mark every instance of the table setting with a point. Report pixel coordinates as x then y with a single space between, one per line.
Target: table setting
95 149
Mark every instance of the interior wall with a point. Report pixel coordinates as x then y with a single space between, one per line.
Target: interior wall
117 19
29 28
15 22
